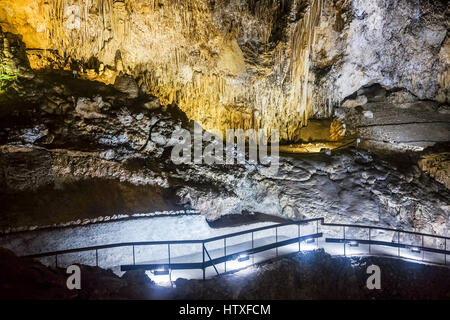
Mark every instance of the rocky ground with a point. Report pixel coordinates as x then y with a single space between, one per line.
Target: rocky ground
394 119
314 275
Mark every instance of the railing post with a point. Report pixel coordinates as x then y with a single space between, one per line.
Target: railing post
317 231
253 245
398 243
299 241
211 260
225 252
445 255
56 261
276 240
344 241
96 257
134 256
370 239
203 263
423 252
170 269
168 252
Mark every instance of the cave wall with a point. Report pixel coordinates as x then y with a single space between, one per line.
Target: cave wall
391 71
243 64
397 44
59 132
66 141
227 64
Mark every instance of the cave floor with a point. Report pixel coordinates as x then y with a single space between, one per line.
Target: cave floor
308 275
182 227
186 227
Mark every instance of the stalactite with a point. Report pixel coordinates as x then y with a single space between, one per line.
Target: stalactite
175 48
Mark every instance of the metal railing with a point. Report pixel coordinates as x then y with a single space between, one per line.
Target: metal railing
207 260
394 244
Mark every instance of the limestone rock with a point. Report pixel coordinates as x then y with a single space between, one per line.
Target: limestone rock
153 104
244 64
89 109
437 164
396 121
126 84
47 151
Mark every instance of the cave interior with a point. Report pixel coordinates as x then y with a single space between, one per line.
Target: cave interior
351 97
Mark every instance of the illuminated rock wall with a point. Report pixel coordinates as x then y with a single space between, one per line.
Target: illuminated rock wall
78 149
227 64
270 64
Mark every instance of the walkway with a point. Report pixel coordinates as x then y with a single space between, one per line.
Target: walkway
197 258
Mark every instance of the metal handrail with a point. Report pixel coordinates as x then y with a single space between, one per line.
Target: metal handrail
278 225
386 243
383 228
203 265
110 246
223 259
150 243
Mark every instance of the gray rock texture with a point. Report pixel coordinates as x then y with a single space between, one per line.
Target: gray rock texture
391 42
52 158
394 120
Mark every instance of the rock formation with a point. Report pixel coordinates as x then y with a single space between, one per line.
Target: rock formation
244 64
63 135
313 275
234 64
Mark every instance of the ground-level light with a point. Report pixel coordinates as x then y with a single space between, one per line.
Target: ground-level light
243 257
415 250
353 244
161 271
